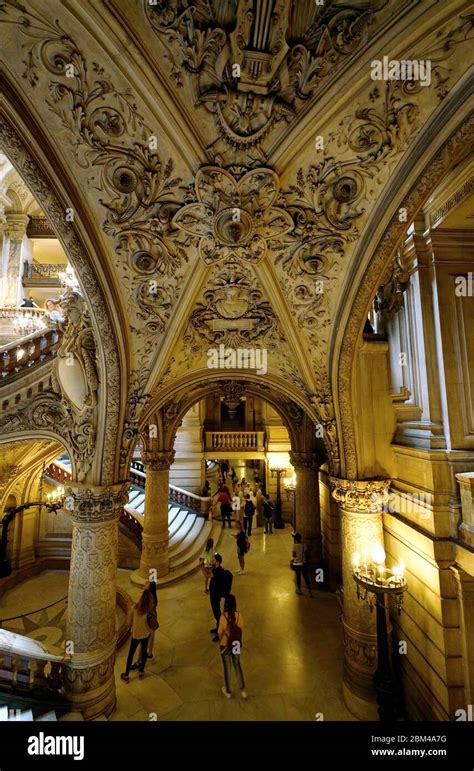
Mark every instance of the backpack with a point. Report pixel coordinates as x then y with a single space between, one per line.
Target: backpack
249 509
234 635
267 510
227 579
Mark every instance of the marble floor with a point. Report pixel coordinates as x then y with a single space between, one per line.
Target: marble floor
291 656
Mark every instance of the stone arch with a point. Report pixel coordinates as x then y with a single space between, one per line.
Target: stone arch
299 416
42 180
422 180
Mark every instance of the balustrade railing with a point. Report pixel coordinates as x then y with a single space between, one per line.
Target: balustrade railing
235 440
59 473
134 527
42 273
188 500
22 354
25 664
184 498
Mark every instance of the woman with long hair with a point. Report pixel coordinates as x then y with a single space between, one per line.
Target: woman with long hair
206 563
138 621
151 585
242 546
231 625
299 564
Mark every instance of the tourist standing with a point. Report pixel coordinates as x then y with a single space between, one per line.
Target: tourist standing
242 547
300 565
219 587
236 505
230 632
249 511
139 618
268 512
226 505
206 563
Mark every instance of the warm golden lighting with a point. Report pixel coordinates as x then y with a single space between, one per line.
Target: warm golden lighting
378 554
278 460
355 559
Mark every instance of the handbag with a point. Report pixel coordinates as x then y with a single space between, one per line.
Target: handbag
152 620
292 565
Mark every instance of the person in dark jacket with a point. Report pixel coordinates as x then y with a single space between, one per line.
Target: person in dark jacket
219 587
249 511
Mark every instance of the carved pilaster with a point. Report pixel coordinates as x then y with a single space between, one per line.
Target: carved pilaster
89 680
307 507
15 231
360 503
154 555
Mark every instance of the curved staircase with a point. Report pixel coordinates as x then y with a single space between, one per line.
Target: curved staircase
188 533
188 528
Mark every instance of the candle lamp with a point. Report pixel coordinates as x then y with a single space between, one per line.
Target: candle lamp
376 584
54 501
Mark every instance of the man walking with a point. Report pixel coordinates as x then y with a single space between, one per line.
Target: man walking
219 587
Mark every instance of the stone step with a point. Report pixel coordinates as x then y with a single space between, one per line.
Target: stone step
191 565
187 542
70 716
47 716
192 555
176 525
181 534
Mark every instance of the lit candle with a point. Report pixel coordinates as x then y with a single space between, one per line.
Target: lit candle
381 573
378 554
365 560
355 560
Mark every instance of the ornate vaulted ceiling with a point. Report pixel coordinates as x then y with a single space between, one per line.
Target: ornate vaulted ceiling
226 158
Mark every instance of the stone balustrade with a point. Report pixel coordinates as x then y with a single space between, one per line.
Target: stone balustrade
235 440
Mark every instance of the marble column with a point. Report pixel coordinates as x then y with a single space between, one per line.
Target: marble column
307 507
465 584
89 680
15 232
360 504
155 527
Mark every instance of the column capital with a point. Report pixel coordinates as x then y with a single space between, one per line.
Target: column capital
89 504
364 495
16 226
304 460
158 461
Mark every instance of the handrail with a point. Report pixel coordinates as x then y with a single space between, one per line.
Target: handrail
42 270
32 612
191 501
26 352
